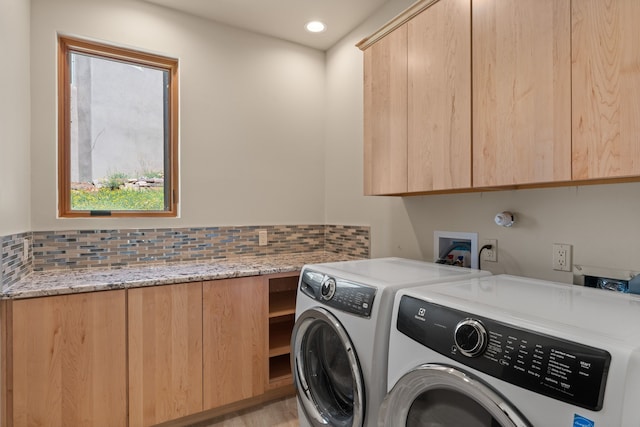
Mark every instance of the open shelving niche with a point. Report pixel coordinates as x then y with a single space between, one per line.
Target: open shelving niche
282 308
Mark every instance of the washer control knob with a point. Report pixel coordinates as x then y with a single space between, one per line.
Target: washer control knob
328 289
470 337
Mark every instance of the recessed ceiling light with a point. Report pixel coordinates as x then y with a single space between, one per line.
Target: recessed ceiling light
315 27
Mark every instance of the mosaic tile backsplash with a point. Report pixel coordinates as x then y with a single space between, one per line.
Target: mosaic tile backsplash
103 248
347 239
14 265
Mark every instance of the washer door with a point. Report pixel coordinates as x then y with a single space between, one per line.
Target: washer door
326 371
441 396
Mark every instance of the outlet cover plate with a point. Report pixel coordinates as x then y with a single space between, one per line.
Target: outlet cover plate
561 257
490 254
262 238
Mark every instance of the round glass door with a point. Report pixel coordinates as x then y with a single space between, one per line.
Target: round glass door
326 371
441 396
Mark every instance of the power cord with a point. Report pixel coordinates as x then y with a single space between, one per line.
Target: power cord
480 254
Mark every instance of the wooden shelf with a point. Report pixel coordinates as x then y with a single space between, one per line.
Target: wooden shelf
282 303
280 337
287 283
279 368
282 308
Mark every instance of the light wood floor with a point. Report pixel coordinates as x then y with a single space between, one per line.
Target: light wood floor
281 413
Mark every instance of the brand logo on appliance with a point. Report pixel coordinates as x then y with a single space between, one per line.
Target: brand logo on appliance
580 421
421 313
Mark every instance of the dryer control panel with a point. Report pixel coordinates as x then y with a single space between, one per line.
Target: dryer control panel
557 368
344 295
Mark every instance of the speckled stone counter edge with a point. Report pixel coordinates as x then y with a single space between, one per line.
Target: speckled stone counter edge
60 282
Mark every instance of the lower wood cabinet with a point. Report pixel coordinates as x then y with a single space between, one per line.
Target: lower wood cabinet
145 356
165 353
234 340
66 360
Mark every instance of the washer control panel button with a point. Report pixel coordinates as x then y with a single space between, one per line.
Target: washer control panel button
470 337
328 289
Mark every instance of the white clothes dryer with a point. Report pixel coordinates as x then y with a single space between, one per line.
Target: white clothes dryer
505 351
340 337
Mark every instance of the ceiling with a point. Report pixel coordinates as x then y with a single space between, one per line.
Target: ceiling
284 19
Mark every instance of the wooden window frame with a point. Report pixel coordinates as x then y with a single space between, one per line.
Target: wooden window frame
69 44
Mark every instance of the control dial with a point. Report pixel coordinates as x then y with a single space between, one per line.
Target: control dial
470 337
328 289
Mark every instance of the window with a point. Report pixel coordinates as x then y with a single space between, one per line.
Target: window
117 131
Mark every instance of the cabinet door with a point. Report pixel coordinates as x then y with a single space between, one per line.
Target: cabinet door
521 92
234 340
606 88
439 111
385 115
165 353
69 360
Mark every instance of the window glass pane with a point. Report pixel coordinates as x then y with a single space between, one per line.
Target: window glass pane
118 135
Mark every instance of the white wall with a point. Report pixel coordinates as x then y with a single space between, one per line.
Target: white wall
256 148
391 230
601 222
14 117
252 115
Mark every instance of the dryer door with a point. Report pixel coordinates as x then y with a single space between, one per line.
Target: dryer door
326 371
443 396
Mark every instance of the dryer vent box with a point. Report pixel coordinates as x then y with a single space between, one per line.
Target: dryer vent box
456 248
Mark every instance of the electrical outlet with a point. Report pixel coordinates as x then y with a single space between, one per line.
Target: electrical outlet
561 257
262 238
490 254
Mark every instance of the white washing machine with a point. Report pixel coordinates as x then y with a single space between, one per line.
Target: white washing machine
339 341
509 351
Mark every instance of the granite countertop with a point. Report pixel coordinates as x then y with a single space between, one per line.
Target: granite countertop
59 282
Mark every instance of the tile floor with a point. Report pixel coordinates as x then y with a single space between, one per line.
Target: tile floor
281 413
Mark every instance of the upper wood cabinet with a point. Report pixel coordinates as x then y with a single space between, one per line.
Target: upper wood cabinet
385 115
235 340
417 103
554 95
165 353
521 92
439 98
68 360
606 88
